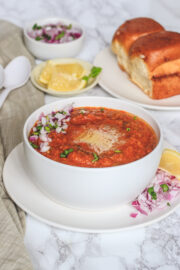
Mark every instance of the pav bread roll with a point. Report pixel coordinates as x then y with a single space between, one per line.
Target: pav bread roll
155 64
128 33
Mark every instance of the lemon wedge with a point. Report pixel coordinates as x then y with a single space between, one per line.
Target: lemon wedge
74 69
65 82
63 76
46 72
170 162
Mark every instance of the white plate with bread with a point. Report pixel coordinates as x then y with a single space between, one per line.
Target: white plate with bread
143 65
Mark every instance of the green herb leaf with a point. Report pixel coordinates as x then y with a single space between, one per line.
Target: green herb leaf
36 133
47 128
165 187
47 36
152 193
66 153
135 117
39 128
102 109
69 26
36 27
34 145
63 112
168 204
118 151
95 71
38 38
60 35
96 158
86 78
128 129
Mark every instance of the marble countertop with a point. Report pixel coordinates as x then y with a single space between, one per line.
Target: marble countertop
154 247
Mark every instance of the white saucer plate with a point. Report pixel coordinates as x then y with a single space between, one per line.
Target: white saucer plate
117 83
26 195
35 73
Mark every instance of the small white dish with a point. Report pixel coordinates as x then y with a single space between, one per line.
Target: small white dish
37 70
46 51
117 83
20 187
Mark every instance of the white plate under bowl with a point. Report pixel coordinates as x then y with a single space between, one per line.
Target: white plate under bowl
26 195
116 82
37 70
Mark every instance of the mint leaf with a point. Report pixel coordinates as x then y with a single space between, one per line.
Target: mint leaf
95 71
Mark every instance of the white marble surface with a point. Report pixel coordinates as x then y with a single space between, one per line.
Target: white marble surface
153 247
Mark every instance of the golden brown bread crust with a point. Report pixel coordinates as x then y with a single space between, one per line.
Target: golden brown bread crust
156 48
167 86
131 30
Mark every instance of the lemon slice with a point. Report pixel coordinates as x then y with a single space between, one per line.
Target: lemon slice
63 76
46 72
170 162
74 69
65 82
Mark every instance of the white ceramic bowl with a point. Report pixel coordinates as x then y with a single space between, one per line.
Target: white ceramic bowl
92 188
47 51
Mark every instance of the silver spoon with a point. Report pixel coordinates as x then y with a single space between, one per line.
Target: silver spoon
16 74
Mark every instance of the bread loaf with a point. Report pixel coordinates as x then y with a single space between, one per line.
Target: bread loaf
155 64
151 58
127 33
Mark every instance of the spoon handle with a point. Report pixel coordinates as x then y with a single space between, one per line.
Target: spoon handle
4 95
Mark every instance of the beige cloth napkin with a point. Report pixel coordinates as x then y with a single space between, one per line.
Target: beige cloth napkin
18 106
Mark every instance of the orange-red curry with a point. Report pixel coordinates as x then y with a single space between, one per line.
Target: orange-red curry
100 137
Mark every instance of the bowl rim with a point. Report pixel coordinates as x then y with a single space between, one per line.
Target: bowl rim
25 29
70 100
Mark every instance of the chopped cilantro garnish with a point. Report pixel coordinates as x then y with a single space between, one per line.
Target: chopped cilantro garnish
38 38
60 35
165 187
168 204
66 152
39 128
96 158
63 112
34 145
135 117
102 109
36 27
69 26
36 133
118 151
47 36
128 129
152 193
47 128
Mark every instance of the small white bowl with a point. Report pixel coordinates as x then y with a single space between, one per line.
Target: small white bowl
92 188
45 51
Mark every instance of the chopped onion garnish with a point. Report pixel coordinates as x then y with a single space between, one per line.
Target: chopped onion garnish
163 189
53 121
55 33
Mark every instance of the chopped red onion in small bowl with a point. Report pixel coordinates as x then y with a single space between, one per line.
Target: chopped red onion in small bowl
54 37
55 33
